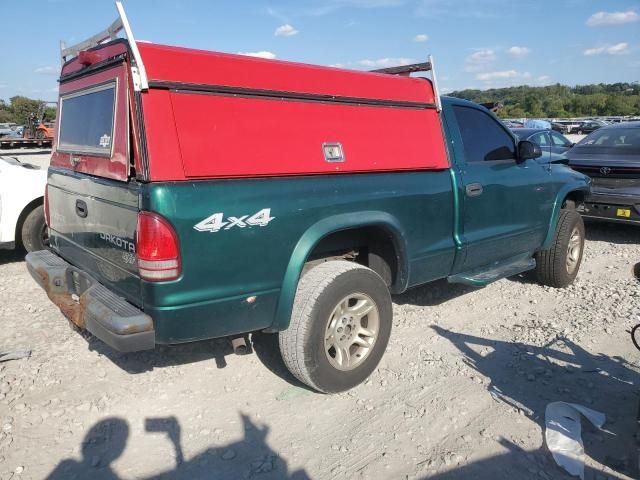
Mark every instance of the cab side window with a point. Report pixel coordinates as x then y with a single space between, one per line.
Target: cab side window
559 140
483 138
540 139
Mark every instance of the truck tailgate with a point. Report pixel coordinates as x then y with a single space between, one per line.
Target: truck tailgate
92 225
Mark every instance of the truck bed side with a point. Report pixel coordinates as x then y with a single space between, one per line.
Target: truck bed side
222 269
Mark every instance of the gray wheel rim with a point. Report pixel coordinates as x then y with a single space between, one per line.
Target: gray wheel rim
352 331
574 249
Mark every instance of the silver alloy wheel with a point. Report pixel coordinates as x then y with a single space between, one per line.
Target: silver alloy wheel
352 330
574 250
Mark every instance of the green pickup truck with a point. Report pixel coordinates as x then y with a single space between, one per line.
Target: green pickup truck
194 195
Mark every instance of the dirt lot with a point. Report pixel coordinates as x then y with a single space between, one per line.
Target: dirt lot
460 393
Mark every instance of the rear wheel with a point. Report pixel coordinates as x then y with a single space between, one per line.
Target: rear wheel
34 230
558 266
340 326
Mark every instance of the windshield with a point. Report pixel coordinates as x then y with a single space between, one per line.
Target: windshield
86 122
624 141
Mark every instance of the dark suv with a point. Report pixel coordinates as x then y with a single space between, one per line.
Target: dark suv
611 157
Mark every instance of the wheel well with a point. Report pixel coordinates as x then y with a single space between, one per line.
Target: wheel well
573 199
372 246
23 215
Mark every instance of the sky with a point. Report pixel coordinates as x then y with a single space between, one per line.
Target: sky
475 43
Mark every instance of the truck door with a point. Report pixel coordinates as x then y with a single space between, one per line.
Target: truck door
506 205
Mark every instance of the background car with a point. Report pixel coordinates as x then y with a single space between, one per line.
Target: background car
512 124
590 126
21 205
611 157
5 129
560 127
549 140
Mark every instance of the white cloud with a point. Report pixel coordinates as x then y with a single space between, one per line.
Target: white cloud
285 30
421 37
386 62
621 48
519 52
502 75
479 60
613 18
544 80
47 70
260 54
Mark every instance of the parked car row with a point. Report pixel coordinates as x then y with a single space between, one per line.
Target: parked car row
11 130
610 155
563 126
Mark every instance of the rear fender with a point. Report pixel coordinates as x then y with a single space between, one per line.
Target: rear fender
317 232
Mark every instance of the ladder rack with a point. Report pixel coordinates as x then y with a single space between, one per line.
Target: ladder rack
406 70
139 73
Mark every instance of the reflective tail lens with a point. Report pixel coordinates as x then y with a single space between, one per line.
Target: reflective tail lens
157 248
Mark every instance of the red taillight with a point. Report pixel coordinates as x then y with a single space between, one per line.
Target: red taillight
46 206
157 248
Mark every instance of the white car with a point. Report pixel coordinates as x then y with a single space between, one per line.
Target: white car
21 205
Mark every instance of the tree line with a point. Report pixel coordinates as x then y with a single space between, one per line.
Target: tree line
555 101
20 108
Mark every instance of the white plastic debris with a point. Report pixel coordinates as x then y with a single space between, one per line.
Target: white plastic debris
563 434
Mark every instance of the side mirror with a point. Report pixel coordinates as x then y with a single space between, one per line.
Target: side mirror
528 150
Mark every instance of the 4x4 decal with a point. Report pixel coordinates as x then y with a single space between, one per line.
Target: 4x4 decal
217 222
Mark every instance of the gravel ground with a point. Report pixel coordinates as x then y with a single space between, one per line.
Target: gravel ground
460 393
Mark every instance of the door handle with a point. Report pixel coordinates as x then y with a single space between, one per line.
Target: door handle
473 189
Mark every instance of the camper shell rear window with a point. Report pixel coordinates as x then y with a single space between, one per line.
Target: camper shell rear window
87 120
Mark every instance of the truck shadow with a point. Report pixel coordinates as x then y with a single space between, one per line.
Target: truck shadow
107 440
433 293
265 346
164 355
526 378
12 256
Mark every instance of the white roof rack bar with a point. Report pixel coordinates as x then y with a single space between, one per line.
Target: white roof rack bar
109 34
140 81
434 82
427 66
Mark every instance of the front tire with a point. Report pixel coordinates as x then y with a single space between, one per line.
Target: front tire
34 230
558 266
340 326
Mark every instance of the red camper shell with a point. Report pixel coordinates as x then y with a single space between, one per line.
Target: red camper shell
217 115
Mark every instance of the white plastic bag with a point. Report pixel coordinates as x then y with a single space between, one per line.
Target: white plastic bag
563 434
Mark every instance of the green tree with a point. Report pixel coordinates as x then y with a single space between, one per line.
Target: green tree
23 107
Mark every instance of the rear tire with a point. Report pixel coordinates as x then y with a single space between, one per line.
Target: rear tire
558 266
340 326
34 230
